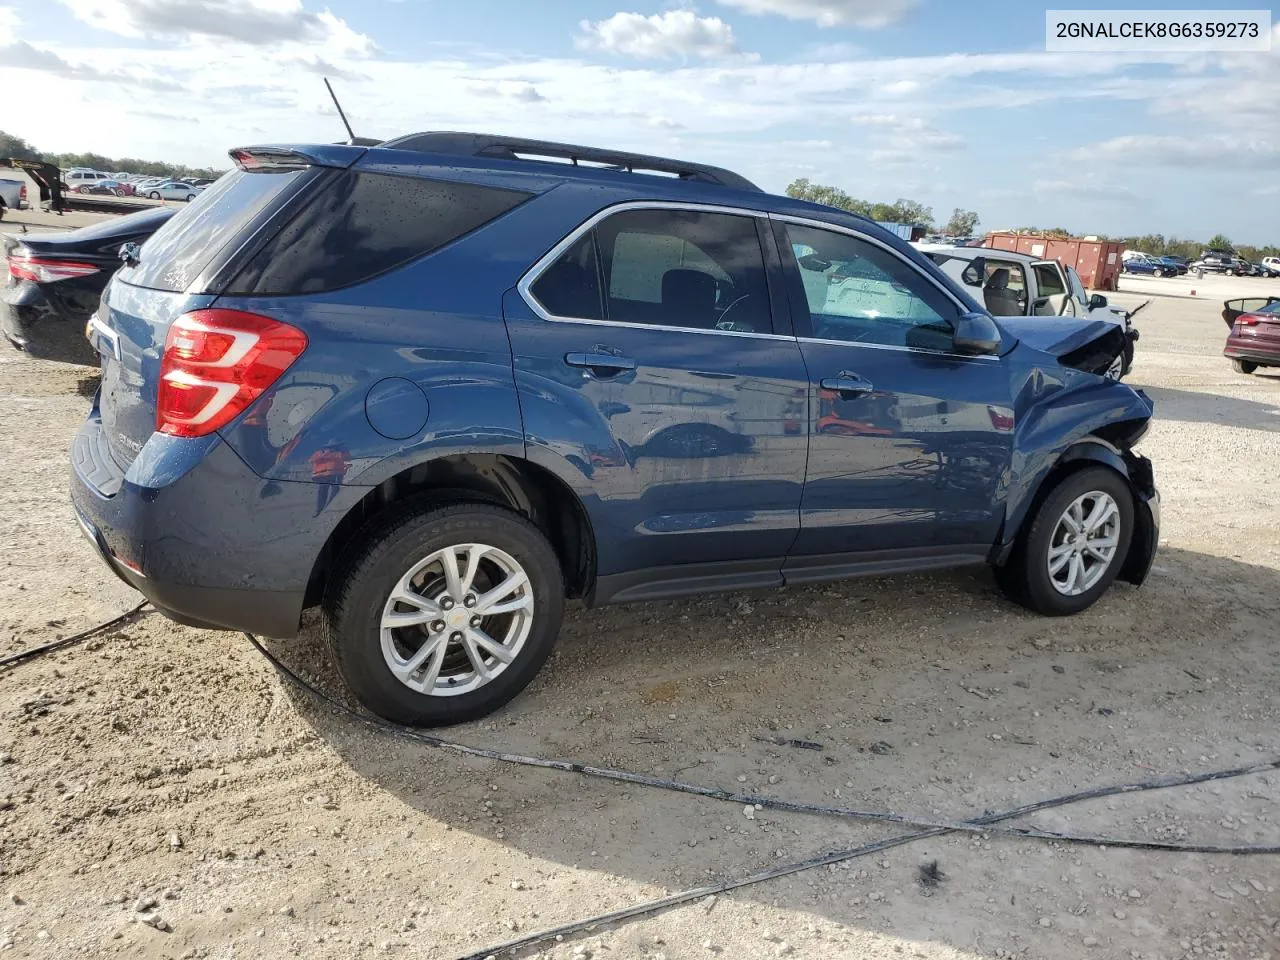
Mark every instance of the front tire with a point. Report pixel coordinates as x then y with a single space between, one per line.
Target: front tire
1073 546
154 195
441 616
1244 366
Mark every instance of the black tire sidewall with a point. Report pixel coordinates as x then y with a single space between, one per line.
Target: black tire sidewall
1037 591
364 580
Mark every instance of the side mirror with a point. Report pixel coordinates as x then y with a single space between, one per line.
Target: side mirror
1097 302
976 334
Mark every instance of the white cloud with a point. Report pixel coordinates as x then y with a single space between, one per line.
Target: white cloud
1212 152
831 13
675 33
905 138
9 21
1086 190
255 22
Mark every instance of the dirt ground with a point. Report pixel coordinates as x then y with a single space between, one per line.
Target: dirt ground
170 769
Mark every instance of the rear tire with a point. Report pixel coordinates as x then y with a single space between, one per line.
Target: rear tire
1244 366
1028 578
455 677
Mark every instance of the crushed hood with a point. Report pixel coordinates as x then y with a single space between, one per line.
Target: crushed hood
1089 345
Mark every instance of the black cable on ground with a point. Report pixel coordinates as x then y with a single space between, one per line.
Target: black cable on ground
22 656
985 824
793 806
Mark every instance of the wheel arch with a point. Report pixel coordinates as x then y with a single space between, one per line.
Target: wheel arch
517 484
1097 450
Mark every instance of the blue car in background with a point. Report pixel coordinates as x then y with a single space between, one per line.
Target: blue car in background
1154 266
439 385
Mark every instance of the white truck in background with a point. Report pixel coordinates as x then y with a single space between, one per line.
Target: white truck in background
13 195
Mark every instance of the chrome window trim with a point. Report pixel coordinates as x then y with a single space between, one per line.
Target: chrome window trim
525 285
945 354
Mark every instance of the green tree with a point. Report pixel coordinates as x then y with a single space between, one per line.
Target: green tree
963 223
16 148
1219 242
900 211
909 211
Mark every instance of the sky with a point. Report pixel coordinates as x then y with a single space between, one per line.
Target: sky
953 104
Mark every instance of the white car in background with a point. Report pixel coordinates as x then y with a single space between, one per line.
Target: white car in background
1012 284
1270 266
172 190
79 179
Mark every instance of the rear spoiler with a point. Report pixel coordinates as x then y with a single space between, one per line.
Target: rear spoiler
339 156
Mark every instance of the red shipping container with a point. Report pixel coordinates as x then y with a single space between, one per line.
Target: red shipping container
1097 261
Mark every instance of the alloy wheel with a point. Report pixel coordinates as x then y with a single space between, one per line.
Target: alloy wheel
457 619
1084 543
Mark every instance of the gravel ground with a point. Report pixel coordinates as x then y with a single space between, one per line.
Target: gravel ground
163 794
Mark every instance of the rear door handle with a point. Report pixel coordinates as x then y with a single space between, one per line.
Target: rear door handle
848 385
601 364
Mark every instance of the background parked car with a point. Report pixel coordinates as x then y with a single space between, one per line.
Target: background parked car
79 180
1013 284
1143 263
1215 261
55 282
1254 340
172 190
114 188
1270 266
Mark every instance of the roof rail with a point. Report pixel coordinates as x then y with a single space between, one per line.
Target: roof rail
516 148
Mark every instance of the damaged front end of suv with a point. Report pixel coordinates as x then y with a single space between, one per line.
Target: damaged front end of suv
1072 415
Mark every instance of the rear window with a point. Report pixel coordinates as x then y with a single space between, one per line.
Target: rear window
364 224
179 251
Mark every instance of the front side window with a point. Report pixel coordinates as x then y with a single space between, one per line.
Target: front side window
664 267
858 292
1048 280
1077 290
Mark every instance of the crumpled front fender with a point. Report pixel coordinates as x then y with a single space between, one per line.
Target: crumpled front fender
1063 420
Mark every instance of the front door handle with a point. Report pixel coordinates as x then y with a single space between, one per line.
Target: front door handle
600 364
848 385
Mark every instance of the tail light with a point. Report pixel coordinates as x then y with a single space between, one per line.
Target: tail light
1001 418
22 193
46 270
216 363
1248 320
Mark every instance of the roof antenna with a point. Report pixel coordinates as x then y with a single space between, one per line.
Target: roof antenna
351 135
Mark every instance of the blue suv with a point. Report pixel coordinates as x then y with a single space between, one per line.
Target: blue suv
441 384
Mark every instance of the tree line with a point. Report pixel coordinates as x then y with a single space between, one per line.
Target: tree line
20 149
963 223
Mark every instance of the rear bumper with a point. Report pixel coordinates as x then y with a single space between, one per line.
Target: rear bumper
1257 350
201 536
31 322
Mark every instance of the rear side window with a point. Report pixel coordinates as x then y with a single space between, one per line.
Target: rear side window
178 252
364 224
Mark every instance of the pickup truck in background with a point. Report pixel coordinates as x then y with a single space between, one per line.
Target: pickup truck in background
13 195
1013 284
